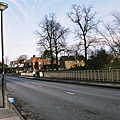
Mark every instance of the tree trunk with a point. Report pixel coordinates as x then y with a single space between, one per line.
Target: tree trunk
56 61
85 51
52 59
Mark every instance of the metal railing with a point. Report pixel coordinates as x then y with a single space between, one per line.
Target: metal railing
96 75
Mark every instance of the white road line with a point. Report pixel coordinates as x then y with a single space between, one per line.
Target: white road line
70 93
58 107
39 86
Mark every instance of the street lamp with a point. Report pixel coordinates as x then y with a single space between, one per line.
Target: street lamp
3 6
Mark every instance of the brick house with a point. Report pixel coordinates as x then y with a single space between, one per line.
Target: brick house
14 64
35 64
17 65
67 62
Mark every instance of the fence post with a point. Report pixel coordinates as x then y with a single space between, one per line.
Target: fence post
112 75
87 75
117 72
91 74
94 75
102 75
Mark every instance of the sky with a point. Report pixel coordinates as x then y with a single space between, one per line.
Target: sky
21 19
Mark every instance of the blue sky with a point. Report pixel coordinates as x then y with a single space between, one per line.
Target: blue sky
22 17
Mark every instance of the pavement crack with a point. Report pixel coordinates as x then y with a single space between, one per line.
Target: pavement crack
91 112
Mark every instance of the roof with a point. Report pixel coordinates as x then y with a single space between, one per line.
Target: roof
65 58
38 59
15 62
34 59
18 61
68 58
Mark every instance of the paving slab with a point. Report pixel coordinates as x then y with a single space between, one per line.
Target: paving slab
9 113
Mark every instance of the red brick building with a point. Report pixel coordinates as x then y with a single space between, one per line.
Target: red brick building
35 64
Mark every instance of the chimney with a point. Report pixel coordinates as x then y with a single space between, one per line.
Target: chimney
34 56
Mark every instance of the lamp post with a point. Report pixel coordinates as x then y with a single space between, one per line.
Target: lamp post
3 6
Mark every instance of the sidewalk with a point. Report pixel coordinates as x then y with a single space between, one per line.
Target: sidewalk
9 113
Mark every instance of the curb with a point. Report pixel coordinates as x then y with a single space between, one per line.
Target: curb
88 83
80 82
16 111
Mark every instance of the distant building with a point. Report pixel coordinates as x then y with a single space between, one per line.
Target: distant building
17 65
67 62
14 64
30 65
35 64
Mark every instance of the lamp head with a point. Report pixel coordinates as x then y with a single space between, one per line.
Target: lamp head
3 6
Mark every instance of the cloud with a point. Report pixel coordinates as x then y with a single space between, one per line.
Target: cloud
20 6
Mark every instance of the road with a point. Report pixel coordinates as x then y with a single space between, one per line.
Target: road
58 101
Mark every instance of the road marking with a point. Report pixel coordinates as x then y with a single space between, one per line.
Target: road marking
39 86
58 107
70 93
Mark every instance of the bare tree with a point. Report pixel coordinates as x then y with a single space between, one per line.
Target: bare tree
85 25
59 35
21 57
52 36
111 34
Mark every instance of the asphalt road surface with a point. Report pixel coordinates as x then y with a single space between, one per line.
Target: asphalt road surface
39 100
